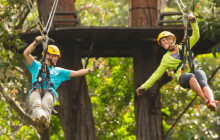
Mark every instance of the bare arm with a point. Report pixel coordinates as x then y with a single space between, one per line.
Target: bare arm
27 52
78 73
82 72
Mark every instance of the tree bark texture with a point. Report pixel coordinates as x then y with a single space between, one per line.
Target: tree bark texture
45 135
147 106
76 109
143 13
45 7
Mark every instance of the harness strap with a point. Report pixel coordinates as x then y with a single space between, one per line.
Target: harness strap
180 64
186 55
40 82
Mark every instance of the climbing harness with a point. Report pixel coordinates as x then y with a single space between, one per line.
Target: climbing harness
44 74
185 54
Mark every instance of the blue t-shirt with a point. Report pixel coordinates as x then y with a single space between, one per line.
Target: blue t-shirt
57 75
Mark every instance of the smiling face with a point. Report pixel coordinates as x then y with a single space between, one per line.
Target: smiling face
168 41
51 59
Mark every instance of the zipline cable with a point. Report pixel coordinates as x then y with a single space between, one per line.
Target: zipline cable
185 13
179 6
44 40
43 30
185 49
52 13
186 53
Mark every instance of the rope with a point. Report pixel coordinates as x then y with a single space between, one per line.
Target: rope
37 20
187 49
52 13
186 53
45 40
179 6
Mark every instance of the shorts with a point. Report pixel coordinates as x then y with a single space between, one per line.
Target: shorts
198 74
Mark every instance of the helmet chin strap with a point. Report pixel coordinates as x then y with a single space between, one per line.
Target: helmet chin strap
171 48
50 61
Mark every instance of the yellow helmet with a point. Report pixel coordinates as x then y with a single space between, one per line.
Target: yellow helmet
164 34
52 49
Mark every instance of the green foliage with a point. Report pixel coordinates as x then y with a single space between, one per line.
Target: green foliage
198 122
14 74
103 12
26 132
111 93
11 127
211 28
56 131
111 89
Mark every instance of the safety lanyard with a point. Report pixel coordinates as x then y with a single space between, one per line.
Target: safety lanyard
185 53
45 39
46 29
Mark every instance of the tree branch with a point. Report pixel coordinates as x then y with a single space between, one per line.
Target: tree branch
24 116
22 19
30 28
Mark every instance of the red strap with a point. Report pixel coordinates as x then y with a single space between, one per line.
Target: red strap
187 67
208 102
39 89
181 72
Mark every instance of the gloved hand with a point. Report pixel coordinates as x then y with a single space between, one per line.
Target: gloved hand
94 67
191 18
140 90
38 40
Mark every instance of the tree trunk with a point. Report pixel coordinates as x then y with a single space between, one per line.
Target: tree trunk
76 109
45 7
45 135
143 13
147 106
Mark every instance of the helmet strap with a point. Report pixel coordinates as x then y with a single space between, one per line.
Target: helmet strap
171 48
51 62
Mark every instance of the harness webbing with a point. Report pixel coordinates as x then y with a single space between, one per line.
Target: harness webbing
41 79
186 53
44 69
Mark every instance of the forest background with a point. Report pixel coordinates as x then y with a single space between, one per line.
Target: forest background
111 88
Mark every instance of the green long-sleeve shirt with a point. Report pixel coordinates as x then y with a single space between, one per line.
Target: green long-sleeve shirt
168 62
